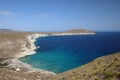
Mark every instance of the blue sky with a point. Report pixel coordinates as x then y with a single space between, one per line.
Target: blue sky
60 15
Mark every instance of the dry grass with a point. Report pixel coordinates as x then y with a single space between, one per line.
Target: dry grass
104 68
6 74
10 44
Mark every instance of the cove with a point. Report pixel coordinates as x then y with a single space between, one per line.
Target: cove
62 53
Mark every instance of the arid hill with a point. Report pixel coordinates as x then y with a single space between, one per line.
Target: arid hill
79 31
10 47
73 32
103 68
10 44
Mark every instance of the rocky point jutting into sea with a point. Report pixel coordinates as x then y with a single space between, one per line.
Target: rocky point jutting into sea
20 44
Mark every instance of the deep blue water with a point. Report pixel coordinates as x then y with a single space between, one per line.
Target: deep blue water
62 53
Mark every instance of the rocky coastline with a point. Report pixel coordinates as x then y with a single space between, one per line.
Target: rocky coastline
27 49
106 66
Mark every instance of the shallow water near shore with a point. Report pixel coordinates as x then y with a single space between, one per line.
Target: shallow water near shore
62 53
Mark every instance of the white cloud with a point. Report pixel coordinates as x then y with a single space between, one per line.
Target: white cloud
4 12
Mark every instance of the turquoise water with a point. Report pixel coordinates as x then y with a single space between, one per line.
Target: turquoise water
62 53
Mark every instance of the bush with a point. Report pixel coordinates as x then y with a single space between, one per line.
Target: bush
108 74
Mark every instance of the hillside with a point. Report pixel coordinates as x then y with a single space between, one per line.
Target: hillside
73 32
103 68
79 31
11 43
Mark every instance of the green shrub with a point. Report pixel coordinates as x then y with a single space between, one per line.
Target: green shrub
3 64
108 74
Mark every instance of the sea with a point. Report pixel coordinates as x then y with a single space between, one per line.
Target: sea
61 53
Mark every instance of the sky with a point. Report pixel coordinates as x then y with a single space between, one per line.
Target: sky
60 15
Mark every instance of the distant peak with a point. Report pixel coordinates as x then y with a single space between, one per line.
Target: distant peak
78 31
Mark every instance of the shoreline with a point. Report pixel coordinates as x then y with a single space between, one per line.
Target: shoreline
16 65
68 34
29 49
